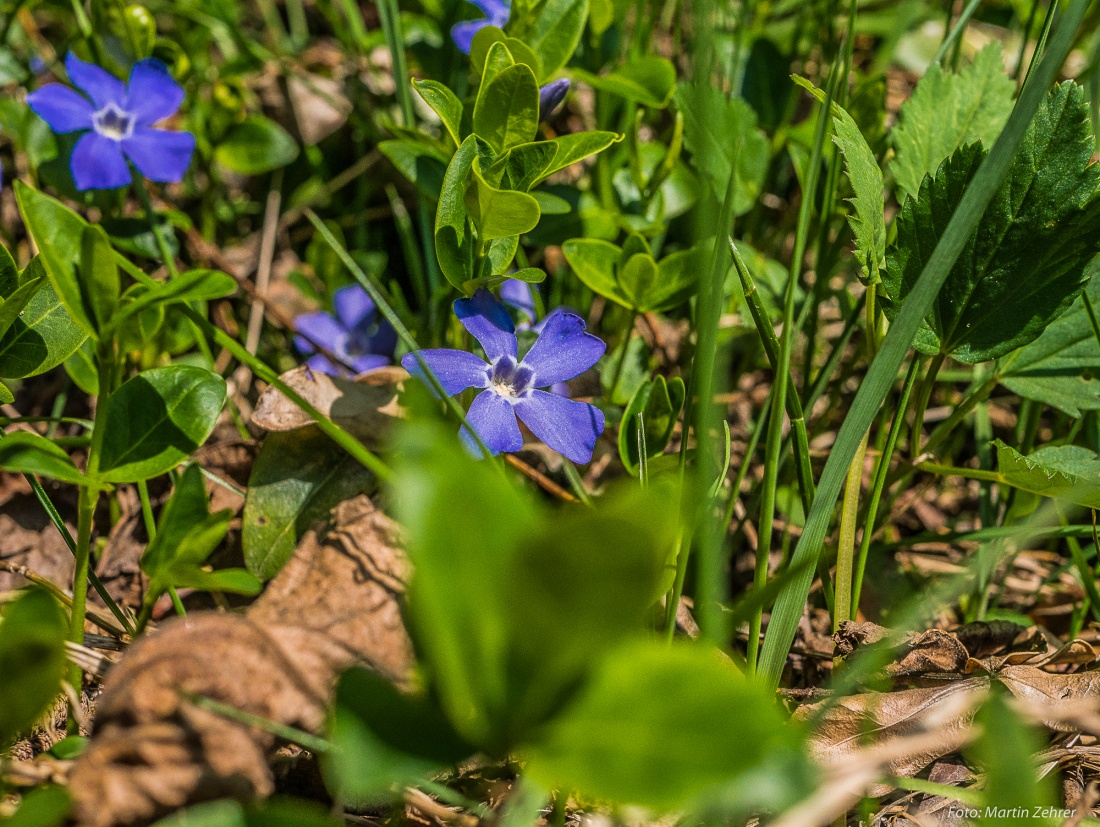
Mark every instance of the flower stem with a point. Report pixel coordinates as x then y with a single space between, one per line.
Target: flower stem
151 216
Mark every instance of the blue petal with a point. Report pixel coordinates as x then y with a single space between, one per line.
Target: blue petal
97 83
488 322
384 340
494 420
369 361
152 93
456 370
64 109
321 327
563 350
97 164
321 364
463 33
158 154
518 294
550 97
353 306
570 428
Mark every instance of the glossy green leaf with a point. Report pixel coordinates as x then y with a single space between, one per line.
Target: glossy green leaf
192 286
631 277
595 261
518 51
523 166
659 403
43 335
16 289
155 420
1062 367
256 145
1065 472
46 806
649 80
946 111
1025 263
28 453
719 130
6 396
297 478
97 271
531 275
421 164
672 727
569 149
445 104
553 31
454 238
506 113
499 213
32 660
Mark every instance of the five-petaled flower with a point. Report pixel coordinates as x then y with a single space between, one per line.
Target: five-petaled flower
117 120
510 385
355 335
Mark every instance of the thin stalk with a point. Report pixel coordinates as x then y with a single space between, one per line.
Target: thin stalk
1023 40
1048 21
956 30
576 483
881 473
846 548
923 397
158 234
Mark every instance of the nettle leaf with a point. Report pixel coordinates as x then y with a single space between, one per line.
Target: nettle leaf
445 103
648 80
256 145
553 30
298 476
506 113
659 402
32 660
29 453
43 335
732 743
718 130
1062 367
1026 261
1065 472
157 419
421 164
946 111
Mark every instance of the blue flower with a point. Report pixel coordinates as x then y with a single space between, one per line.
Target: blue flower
496 14
354 335
550 97
117 120
563 350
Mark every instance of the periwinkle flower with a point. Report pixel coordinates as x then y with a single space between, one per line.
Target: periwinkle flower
550 97
511 385
496 14
117 121
355 335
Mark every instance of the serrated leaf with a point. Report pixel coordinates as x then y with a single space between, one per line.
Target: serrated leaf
946 111
1025 263
1065 472
1062 367
717 130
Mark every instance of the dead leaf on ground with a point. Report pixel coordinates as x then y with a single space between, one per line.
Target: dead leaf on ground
320 105
336 604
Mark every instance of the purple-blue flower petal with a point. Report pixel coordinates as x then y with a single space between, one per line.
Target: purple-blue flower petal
494 420
320 363
570 428
456 370
550 97
97 83
152 93
463 33
97 163
488 322
496 11
518 295
64 109
160 155
321 327
369 361
384 340
563 350
353 306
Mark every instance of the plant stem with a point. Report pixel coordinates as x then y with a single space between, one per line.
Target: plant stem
621 363
158 233
846 548
923 397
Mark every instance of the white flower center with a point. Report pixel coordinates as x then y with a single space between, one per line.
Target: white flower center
510 380
114 123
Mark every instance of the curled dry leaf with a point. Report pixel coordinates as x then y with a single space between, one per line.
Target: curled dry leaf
934 651
365 407
336 604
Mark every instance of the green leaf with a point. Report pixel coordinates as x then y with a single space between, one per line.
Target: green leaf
1062 367
499 213
32 660
531 275
192 286
423 165
444 103
718 130
98 274
297 478
43 335
6 396
16 289
595 262
648 80
256 145
659 402
156 420
454 239
553 32
42 807
946 111
1025 263
59 234
669 727
506 113
1065 472
227 813
524 165
517 51
569 149
28 453
631 277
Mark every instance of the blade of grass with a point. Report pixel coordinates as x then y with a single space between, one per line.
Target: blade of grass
880 377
